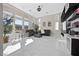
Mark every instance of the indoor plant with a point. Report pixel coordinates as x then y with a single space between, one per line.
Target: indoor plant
7 28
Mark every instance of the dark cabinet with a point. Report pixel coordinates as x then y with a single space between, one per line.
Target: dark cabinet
69 15
75 47
72 7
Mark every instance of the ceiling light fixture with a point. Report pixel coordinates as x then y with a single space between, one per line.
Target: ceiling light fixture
39 9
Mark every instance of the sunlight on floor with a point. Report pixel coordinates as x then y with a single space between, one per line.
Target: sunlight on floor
12 48
28 41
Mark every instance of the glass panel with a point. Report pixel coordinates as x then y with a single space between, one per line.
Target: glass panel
18 21
26 23
18 24
56 26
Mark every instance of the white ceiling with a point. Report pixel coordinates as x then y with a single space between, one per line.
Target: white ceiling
47 8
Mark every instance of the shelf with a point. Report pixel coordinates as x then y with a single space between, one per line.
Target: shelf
72 8
73 18
73 4
69 12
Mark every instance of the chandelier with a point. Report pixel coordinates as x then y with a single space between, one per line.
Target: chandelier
39 9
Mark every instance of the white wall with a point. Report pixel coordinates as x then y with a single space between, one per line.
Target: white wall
53 19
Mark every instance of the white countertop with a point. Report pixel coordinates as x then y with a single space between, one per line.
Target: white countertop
73 36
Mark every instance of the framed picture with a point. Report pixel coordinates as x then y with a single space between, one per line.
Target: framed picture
49 23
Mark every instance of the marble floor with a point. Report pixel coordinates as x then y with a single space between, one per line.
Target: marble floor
44 46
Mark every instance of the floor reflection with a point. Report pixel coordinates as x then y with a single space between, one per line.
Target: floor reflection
12 48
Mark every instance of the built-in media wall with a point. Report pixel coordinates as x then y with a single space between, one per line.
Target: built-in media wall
70 15
67 13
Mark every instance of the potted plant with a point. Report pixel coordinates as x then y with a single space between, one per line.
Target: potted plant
7 28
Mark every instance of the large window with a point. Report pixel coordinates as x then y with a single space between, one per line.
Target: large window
18 24
26 24
57 26
15 38
7 22
18 21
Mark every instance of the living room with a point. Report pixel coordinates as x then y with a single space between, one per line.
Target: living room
37 29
